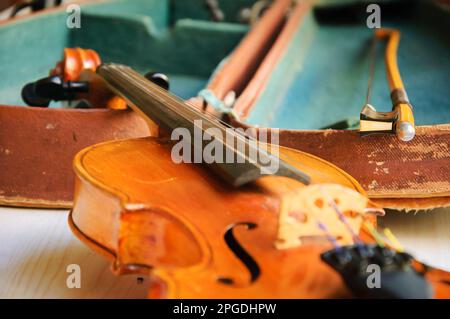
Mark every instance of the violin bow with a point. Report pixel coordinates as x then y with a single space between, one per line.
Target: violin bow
400 120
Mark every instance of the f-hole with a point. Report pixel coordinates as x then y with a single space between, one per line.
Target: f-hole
240 253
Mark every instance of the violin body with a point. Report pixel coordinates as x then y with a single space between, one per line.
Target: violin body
200 231
194 234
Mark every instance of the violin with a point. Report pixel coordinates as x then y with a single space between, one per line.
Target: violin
227 229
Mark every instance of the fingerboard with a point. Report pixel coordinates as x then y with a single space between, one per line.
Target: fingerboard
170 113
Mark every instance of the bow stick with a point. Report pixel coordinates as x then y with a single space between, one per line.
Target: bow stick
400 120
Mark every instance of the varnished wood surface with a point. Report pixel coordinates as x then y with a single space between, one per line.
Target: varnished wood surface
174 218
37 245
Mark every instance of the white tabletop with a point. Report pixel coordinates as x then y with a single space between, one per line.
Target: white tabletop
36 246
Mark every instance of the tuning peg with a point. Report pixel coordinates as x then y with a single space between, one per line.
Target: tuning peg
30 97
52 88
159 79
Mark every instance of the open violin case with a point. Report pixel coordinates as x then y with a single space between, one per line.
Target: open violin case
301 67
37 145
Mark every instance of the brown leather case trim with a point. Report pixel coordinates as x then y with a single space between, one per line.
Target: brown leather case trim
413 175
385 166
37 146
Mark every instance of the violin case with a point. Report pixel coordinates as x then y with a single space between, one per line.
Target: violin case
301 68
37 145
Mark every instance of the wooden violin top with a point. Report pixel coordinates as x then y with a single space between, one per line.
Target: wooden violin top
188 228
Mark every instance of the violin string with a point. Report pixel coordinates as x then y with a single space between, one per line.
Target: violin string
328 234
330 237
190 112
302 166
332 203
388 239
342 218
375 234
396 243
186 112
246 138
124 76
281 156
222 125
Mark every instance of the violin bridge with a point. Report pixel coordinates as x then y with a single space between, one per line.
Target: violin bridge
305 208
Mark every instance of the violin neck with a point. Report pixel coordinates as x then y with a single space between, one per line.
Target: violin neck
171 113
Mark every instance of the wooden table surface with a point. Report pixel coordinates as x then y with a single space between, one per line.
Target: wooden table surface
36 246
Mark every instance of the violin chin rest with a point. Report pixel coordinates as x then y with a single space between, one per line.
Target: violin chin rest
372 271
